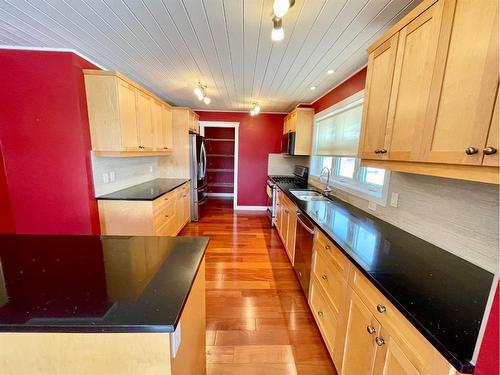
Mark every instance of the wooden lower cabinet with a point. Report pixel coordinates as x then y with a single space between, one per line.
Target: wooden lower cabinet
286 223
165 216
361 339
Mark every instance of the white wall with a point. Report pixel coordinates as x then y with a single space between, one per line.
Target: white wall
461 217
128 172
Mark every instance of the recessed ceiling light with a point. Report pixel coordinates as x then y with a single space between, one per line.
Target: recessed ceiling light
331 71
312 88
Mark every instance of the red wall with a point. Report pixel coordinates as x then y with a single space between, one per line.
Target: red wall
350 87
45 141
258 137
488 362
6 219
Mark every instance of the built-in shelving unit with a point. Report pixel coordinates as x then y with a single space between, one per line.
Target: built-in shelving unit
220 143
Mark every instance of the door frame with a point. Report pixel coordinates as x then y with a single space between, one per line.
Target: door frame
236 126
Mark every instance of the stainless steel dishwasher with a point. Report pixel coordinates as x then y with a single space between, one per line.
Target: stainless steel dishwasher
303 250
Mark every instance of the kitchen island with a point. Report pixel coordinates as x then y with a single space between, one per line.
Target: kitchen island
102 305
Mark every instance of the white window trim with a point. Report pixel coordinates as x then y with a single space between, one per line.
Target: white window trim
355 187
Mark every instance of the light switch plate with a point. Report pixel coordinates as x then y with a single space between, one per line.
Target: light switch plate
112 176
105 178
372 206
394 199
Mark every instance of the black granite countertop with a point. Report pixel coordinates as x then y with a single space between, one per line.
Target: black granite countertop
442 295
95 284
146 191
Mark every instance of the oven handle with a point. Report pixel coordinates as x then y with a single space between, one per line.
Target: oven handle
309 230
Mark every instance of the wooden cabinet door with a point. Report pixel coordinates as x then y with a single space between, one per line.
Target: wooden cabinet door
157 124
284 225
360 347
391 359
460 118
416 61
292 227
492 142
143 106
374 139
166 118
128 119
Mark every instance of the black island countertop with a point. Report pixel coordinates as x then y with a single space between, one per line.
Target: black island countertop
52 283
441 294
147 191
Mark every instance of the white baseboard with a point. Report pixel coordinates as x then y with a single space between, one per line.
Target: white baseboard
251 208
220 194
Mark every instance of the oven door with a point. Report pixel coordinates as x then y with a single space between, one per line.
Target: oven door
271 202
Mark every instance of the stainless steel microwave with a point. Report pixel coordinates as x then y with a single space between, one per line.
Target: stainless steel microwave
288 143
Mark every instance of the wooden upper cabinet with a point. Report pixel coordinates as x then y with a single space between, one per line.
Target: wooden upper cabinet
416 59
194 122
360 347
125 119
300 121
458 120
490 150
144 120
374 136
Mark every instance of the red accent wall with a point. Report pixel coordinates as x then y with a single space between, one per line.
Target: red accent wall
6 219
45 141
350 87
488 363
258 137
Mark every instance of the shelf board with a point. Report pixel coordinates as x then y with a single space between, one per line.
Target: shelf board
220 170
221 155
220 139
221 184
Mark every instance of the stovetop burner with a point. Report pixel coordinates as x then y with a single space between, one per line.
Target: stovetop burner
300 182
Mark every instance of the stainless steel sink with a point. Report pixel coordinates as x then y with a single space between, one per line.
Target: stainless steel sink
308 195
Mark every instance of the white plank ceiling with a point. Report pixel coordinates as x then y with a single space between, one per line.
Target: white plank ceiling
170 45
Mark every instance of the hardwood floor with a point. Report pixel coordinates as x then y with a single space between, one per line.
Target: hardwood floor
258 320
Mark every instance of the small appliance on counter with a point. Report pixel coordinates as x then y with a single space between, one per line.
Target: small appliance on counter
299 179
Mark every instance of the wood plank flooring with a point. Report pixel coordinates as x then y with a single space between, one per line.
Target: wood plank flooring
258 320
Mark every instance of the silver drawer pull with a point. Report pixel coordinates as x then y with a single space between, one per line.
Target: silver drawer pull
381 308
371 330
320 314
327 247
379 341
324 277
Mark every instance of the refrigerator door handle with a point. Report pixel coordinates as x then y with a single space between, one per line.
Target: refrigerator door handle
204 155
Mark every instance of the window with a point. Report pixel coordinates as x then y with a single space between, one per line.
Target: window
348 175
336 136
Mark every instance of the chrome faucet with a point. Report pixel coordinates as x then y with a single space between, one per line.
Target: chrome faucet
327 188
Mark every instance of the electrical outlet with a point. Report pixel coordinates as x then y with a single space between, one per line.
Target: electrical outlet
151 169
112 176
394 199
105 178
372 206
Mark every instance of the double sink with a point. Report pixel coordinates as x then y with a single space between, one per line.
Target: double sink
308 195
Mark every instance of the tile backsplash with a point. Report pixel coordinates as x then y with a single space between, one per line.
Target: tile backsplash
278 164
121 173
459 216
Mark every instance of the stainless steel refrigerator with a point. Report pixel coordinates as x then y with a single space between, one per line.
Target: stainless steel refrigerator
198 169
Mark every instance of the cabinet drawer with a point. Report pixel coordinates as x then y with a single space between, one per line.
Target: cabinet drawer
325 247
330 279
418 350
163 213
325 317
164 200
167 228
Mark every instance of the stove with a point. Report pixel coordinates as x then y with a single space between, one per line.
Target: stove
299 179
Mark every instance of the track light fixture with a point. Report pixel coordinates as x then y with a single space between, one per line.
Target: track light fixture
280 7
255 109
201 93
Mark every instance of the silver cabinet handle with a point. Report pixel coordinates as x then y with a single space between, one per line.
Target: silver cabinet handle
489 150
320 314
327 247
381 308
471 150
324 277
379 341
371 330
383 151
